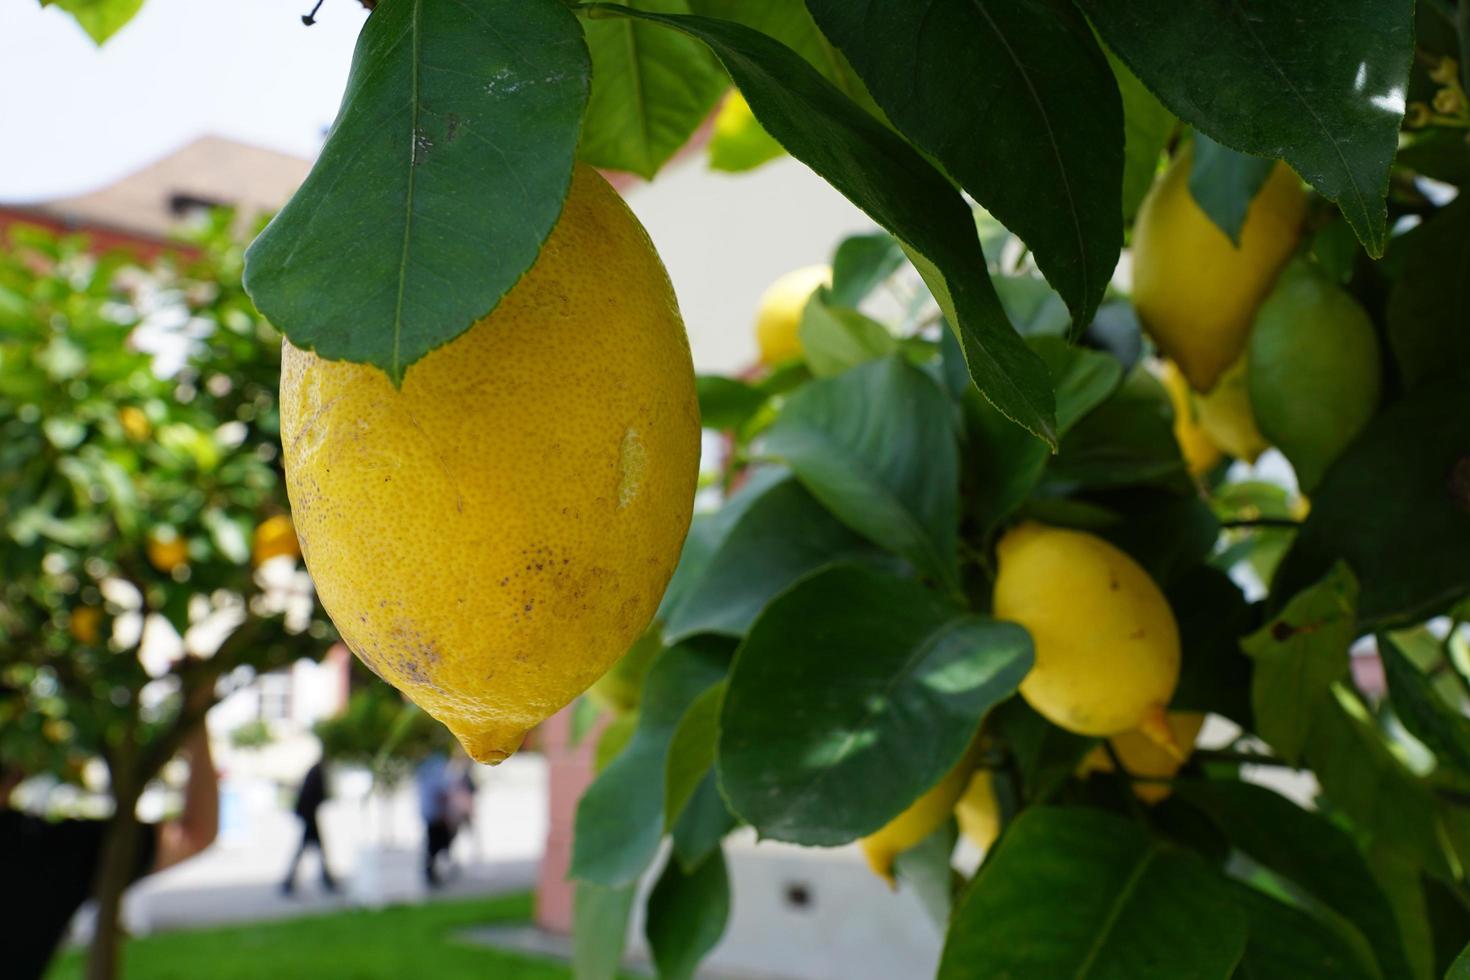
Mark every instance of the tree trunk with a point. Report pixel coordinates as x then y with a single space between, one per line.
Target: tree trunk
114 874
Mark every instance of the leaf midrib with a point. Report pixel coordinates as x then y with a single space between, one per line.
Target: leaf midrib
1125 895
413 149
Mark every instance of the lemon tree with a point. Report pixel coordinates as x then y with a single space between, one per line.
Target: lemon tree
997 566
135 497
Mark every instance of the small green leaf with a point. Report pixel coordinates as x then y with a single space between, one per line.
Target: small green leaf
725 403
1321 83
1406 538
880 173
621 816
1071 892
1016 101
855 692
99 18
1147 126
860 264
600 929
1288 944
1460 969
691 752
1299 655
651 88
926 868
1307 850
790 24
687 913
444 172
1128 440
876 445
703 824
834 338
1215 674
1424 713
783 535
1223 183
228 535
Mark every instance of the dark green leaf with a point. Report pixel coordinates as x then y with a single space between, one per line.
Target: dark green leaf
1215 674
99 18
691 752
1444 730
651 88
1168 534
1460 969
1307 850
1080 893
621 816
738 143
1429 307
725 403
1402 882
860 263
1319 83
1288 944
899 189
1016 101
1045 754
703 824
1033 306
876 445
443 174
1147 126
784 535
789 22
1223 183
1083 378
1127 440
600 929
1406 538
687 912
1299 655
834 338
855 692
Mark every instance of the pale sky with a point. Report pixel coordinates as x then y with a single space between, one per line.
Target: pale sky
75 117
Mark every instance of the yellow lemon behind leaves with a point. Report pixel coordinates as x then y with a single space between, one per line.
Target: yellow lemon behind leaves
492 536
1141 756
275 536
921 819
86 624
166 550
739 142
781 305
978 812
1194 290
1195 445
1106 642
1226 415
134 423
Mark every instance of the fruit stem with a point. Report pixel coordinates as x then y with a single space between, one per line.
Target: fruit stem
1155 727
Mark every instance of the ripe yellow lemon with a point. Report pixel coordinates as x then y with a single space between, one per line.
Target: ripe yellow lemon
779 316
1106 643
1141 756
86 624
491 537
134 422
1195 445
1314 372
978 812
1226 416
1194 290
921 819
275 536
166 550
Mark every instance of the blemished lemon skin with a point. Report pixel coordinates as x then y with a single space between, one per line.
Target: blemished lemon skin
779 315
1226 415
921 819
978 812
275 536
494 535
1141 756
1105 639
1199 451
1194 290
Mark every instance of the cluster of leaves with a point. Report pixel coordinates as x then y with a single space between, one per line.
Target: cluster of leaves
129 499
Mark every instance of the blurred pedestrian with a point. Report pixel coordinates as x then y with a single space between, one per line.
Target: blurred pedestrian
49 866
432 779
309 799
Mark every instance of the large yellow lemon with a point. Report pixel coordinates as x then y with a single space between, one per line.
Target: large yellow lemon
781 305
1106 643
491 537
922 818
1226 416
978 812
1143 757
1195 445
1194 290
275 536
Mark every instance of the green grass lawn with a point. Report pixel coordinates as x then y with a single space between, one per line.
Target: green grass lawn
397 943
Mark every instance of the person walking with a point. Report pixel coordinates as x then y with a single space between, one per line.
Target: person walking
432 781
309 799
